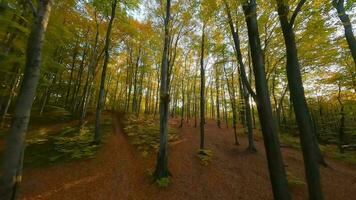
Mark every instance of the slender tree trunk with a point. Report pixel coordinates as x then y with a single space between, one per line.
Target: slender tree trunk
162 156
100 103
202 90
342 122
244 84
273 152
183 104
217 87
225 110
251 144
157 93
91 72
233 105
195 100
134 98
14 149
71 75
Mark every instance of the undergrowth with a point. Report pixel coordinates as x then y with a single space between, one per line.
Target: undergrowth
162 182
329 150
205 156
293 180
46 147
144 133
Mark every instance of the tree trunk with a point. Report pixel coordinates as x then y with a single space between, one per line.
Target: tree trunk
233 105
273 152
162 156
342 122
134 98
217 87
74 58
14 150
300 106
344 18
243 79
202 90
100 103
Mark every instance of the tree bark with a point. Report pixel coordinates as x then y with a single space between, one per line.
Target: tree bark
273 152
217 87
100 103
301 110
14 150
202 90
245 86
162 156
233 105
344 18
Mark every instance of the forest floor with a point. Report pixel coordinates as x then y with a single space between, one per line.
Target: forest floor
120 172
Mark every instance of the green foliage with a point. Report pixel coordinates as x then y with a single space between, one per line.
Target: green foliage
144 133
293 180
162 182
333 152
286 138
330 150
51 114
205 156
75 143
46 146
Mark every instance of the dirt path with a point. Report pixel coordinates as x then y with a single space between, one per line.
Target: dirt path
119 172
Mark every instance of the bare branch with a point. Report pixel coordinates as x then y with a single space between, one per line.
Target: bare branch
296 11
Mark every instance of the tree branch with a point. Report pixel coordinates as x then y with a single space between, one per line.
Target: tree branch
296 11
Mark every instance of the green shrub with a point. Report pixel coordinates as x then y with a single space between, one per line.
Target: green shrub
205 156
162 182
75 143
293 180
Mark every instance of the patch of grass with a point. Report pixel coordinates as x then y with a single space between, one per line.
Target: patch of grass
144 133
293 180
205 156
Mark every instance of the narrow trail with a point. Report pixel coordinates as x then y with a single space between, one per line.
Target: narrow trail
119 172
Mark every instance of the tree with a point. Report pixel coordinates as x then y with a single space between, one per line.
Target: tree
246 88
300 106
14 150
273 152
162 156
100 104
202 90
